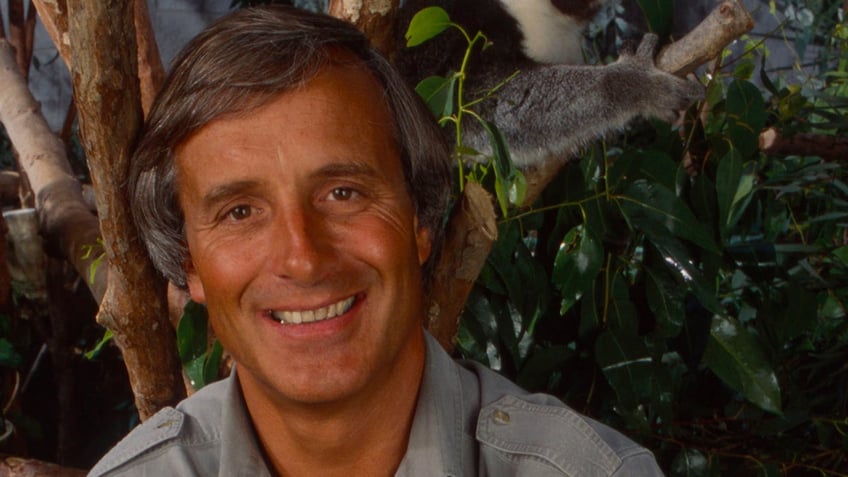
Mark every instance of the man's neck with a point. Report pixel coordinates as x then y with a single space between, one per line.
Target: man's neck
364 435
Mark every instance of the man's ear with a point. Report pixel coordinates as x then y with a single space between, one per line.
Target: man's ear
422 242
195 286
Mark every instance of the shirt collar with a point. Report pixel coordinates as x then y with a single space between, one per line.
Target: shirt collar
437 438
441 432
241 454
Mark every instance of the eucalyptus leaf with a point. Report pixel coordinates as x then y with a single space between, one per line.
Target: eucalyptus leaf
192 332
746 113
194 371
736 357
438 93
577 263
626 363
212 363
93 353
426 24
658 14
8 356
662 206
666 301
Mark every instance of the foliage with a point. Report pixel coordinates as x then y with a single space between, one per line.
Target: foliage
446 98
684 285
201 361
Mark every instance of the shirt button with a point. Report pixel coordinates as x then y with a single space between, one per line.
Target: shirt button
500 417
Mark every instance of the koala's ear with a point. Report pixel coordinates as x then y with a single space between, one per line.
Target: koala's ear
195 286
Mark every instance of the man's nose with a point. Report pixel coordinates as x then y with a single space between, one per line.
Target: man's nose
300 251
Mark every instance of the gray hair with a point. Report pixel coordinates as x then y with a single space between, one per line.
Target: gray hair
240 63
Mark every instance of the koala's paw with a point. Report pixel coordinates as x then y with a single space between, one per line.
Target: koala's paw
647 48
662 95
671 95
644 52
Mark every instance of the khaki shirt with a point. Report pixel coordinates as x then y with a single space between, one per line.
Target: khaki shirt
469 421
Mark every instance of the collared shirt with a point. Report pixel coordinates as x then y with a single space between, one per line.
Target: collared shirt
468 421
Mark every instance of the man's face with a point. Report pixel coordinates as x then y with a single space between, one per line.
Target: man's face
297 213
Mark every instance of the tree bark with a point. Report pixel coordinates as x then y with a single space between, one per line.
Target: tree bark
104 74
471 233
831 148
726 23
17 467
17 34
54 17
376 18
151 72
68 226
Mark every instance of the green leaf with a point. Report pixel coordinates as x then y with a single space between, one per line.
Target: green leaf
658 15
626 363
194 370
8 356
662 206
655 166
192 332
621 313
728 174
438 93
736 357
746 113
678 260
212 363
426 24
578 261
541 364
690 463
107 337
666 300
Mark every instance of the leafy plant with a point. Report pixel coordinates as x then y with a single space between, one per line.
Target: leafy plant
446 98
201 361
680 282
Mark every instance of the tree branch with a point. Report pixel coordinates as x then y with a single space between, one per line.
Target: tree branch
67 225
375 18
471 233
106 90
831 148
724 24
54 17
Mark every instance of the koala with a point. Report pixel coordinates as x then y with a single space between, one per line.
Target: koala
554 106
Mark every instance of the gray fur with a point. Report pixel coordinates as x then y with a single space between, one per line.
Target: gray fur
552 111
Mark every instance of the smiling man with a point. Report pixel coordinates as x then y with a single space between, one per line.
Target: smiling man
291 181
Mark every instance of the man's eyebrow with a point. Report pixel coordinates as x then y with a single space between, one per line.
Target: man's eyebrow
347 168
223 192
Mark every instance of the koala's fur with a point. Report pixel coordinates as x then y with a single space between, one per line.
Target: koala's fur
553 107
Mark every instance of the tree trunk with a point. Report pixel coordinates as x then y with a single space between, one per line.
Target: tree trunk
151 73
67 225
54 17
376 18
103 70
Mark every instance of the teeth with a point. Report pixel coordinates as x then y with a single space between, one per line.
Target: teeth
311 316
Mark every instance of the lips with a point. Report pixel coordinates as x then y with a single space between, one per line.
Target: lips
291 317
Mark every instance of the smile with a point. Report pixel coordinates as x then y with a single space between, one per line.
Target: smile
311 316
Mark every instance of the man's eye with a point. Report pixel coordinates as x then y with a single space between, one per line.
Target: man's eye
240 212
342 193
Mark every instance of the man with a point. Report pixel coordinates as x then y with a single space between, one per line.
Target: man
296 186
